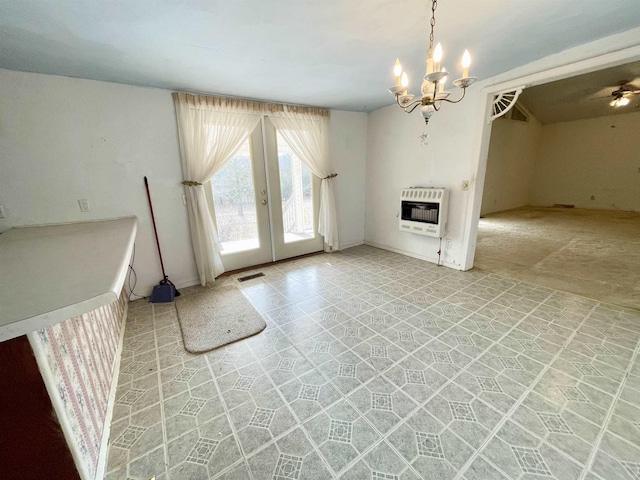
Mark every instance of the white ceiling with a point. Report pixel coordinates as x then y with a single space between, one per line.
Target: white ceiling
582 96
331 53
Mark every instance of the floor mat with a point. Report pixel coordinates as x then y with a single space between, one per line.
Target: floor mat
216 317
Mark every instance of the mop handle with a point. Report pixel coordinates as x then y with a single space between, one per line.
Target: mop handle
155 230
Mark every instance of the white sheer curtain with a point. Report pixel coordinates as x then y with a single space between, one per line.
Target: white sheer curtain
306 130
211 130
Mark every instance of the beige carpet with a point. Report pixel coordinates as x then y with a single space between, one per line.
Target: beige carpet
593 253
214 317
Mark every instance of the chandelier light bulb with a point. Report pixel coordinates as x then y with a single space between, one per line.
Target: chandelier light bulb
466 61
437 56
443 81
404 81
397 70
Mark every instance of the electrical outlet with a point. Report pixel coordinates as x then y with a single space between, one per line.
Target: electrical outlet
448 243
84 205
2 211
465 185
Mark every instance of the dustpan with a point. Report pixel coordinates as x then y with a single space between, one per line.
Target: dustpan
163 293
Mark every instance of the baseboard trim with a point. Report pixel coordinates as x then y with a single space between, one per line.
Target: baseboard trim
352 244
414 255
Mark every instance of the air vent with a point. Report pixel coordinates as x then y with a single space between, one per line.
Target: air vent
251 277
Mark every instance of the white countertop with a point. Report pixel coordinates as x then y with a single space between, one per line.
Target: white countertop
51 273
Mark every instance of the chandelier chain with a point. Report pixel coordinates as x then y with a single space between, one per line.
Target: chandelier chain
434 5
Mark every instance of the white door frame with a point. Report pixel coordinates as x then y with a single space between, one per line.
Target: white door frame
281 249
557 69
266 177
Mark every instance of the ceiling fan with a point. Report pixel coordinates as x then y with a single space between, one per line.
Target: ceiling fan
621 96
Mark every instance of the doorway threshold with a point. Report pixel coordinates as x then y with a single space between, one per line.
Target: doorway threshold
268 264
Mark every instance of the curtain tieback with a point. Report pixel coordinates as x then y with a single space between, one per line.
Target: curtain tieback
190 183
333 175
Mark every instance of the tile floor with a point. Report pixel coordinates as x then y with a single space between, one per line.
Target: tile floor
379 366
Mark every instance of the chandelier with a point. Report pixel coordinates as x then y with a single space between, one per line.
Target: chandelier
432 89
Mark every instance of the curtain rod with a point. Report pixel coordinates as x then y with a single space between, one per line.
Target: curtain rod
246 104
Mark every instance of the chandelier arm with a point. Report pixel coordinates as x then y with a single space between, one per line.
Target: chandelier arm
414 107
464 90
435 106
404 107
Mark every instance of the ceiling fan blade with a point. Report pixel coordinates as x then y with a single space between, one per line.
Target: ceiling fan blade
600 97
600 93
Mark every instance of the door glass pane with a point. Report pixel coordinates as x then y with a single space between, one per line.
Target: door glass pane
297 195
235 203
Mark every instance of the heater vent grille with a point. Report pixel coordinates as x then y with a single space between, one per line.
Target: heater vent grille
424 211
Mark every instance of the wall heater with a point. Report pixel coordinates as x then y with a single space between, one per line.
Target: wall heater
424 211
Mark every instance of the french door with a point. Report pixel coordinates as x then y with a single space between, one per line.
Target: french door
265 202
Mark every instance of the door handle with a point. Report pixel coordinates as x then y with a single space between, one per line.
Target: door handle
263 202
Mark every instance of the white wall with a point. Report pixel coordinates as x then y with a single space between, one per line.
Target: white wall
348 155
458 149
510 164
396 159
585 158
64 139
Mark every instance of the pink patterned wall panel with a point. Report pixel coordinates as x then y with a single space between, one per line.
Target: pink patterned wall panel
80 359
